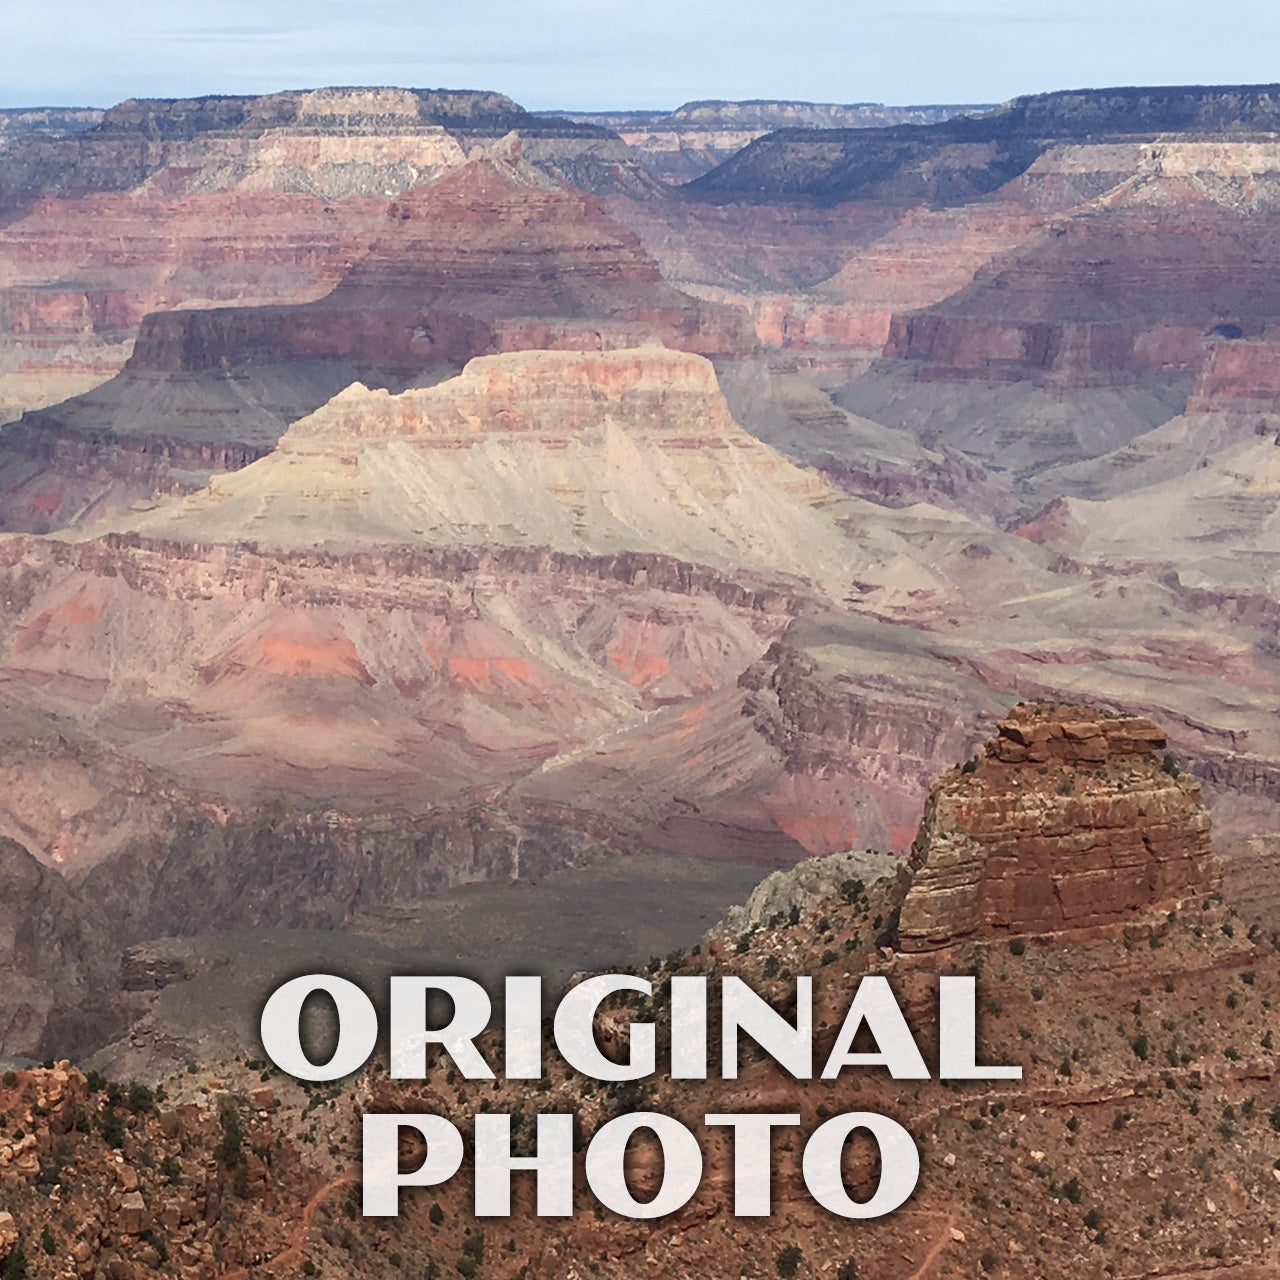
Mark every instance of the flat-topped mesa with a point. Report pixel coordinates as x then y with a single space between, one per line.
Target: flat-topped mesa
960 158
1071 820
349 109
330 142
648 391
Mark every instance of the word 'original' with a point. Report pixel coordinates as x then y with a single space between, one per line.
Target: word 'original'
873 1013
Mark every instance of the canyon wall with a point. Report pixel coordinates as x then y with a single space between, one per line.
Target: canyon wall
683 144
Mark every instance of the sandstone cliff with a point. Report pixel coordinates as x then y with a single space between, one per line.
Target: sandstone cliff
1070 820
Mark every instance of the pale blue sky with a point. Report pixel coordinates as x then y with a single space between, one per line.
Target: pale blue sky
596 54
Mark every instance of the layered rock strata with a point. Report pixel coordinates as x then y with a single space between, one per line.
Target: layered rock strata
194 202
959 159
330 141
1069 820
683 144
494 257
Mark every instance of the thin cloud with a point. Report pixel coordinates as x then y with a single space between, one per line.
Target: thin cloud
991 19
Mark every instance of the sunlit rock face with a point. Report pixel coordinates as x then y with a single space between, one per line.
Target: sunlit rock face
1070 819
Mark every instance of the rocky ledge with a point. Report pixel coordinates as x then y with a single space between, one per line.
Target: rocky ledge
1073 818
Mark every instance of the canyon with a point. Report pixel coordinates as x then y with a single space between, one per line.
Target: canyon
408 495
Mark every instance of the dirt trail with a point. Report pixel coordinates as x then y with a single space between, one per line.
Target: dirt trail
292 1253
944 1238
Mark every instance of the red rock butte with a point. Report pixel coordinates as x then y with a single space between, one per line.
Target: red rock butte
1073 819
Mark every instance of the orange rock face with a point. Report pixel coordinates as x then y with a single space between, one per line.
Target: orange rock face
1070 821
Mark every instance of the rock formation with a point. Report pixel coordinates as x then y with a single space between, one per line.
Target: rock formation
331 141
194 202
55 956
599 452
958 159
493 257
19 122
685 143
1069 820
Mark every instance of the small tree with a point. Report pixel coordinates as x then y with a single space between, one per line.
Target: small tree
141 1098
230 1149
851 890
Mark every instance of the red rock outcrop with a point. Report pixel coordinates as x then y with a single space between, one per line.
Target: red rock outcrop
1239 376
1070 820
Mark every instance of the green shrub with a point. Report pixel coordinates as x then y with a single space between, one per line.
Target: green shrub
852 890
789 1260
230 1149
15 1265
141 1099
111 1126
